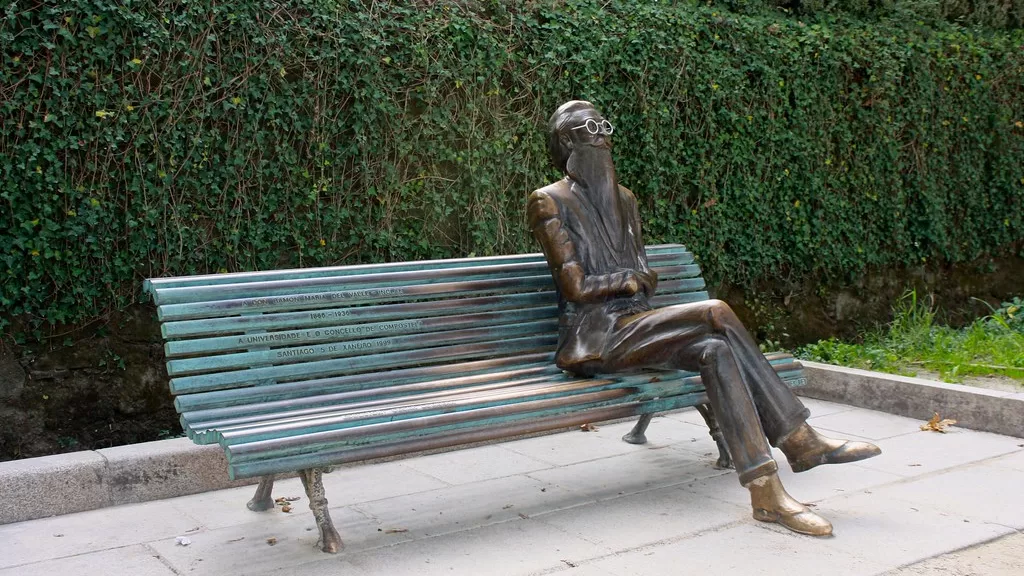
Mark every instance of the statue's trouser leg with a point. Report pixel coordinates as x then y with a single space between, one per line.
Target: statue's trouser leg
262 500
312 481
748 398
737 414
780 410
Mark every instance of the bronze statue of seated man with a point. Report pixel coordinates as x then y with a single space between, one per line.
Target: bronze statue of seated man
589 229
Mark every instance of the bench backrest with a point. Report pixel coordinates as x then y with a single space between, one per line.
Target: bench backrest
264 341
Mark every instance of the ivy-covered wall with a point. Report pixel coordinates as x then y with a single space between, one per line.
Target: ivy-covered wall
145 138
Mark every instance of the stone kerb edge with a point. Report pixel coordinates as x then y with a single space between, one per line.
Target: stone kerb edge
972 407
80 481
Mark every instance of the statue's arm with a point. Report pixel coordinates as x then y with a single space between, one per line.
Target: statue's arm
546 224
648 278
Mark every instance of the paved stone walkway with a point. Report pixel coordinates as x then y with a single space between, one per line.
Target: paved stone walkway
579 504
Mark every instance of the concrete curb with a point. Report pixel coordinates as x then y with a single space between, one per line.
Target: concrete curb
79 481
972 407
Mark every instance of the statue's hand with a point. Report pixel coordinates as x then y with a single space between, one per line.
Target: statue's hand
631 284
648 281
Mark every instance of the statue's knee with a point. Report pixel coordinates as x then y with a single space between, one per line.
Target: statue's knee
720 316
713 352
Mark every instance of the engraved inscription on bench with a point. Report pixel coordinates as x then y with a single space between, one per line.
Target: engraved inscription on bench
340 331
334 348
369 293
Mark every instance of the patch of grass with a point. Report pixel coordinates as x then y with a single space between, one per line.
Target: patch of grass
990 346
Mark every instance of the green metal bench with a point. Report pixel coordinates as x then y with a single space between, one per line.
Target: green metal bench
300 370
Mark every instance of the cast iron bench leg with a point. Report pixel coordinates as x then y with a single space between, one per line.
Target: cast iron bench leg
312 481
262 500
724 460
636 435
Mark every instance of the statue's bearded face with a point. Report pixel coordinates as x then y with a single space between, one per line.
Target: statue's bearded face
587 127
576 125
589 146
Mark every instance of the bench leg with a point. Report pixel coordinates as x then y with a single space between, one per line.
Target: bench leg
312 481
636 435
724 460
262 500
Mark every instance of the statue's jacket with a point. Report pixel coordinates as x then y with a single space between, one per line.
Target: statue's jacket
589 260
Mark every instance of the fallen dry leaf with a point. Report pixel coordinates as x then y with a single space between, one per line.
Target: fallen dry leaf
588 428
286 508
396 530
937 424
271 541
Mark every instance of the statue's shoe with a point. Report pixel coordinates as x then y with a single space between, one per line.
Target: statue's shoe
849 451
806 448
802 522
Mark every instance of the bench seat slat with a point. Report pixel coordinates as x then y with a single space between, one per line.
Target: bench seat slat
443 440
427 391
288 391
168 296
340 349
329 299
644 385
334 284
384 389
351 414
268 375
318 300
264 459
270 440
370 313
654 253
293 354
374 313
423 436
370 412
412 394
305 394
337 366
344 333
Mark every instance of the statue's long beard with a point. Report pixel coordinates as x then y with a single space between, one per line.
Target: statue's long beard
591 168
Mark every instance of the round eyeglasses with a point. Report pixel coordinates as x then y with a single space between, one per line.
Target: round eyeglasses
595 127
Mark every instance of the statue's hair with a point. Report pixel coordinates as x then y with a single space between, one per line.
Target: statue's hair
556 127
